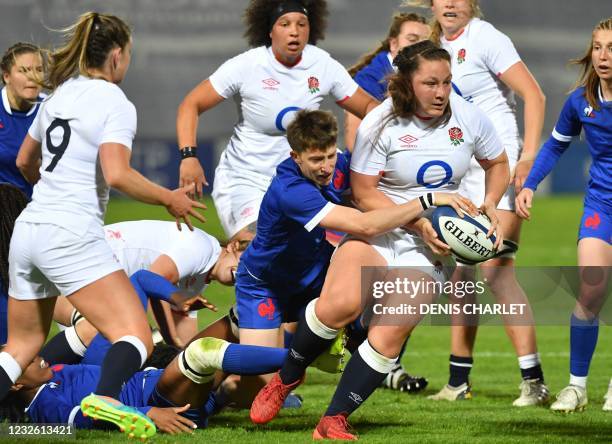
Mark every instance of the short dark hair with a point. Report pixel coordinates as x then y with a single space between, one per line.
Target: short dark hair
312 129
257 20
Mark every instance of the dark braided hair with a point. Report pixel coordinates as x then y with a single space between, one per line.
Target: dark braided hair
12 203
257 20
408 61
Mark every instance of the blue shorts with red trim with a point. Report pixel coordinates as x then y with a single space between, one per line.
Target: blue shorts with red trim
263 307
595 223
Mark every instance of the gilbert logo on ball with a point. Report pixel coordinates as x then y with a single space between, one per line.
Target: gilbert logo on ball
467 236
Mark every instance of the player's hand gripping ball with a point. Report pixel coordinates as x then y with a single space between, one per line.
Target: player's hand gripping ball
466 236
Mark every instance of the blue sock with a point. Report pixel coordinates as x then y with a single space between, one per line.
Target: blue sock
583 339
252 359
152 285
96 351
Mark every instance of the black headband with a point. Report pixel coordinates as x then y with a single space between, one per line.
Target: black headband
285 8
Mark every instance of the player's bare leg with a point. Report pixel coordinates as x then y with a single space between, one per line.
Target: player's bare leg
594 259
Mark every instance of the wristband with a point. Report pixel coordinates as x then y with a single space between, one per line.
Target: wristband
426 200
189 151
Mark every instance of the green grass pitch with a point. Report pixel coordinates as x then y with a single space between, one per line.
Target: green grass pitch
549 239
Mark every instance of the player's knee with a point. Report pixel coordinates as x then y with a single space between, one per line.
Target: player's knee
336 313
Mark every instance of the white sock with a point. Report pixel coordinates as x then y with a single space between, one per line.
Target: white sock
529 361
315 325
580 381
75 343
378 362
10 366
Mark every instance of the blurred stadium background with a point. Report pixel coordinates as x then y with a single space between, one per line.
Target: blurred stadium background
178 43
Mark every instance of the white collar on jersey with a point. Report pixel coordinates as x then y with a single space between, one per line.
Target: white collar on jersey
391 61
601 96
7 104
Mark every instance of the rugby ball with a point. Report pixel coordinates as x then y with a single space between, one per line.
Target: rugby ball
466 236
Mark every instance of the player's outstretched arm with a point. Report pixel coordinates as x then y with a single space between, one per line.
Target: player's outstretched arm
375 222
115 162
202 98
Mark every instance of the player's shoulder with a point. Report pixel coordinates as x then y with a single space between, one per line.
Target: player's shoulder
377 115
481 29
467 113
578 96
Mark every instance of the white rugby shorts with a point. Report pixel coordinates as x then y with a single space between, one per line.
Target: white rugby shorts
46 260
237 198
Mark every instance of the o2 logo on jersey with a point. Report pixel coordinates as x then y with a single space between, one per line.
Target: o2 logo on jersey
588 112
437 164
285 116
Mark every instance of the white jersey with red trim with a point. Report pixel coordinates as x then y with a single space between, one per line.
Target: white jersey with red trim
80 115
479 56
413 158
137 244
268 95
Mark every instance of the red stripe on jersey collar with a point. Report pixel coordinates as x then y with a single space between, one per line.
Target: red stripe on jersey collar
456 36
423 117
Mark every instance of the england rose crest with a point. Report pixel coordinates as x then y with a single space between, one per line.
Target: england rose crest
456 135
313 85
461 56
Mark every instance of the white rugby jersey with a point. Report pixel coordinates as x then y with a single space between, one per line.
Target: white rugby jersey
72 123
479 56
268 94
137 244
414 159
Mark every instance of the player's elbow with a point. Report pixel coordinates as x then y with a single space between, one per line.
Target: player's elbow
364 227
115 178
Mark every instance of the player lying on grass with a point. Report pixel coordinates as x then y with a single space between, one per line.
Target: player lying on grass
284 267
164 264
175 399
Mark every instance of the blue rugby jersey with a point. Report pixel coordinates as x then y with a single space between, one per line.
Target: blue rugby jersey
289 249
576 115
59 400
14 126
372 77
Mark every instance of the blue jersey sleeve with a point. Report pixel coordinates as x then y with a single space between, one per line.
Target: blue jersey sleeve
304 203
51 407
371 83
568 125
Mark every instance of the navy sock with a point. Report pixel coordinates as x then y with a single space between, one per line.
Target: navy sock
357 383
533 373
305 348
5 383
459 370
121 362
288 338
252 359
59 351
583 339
